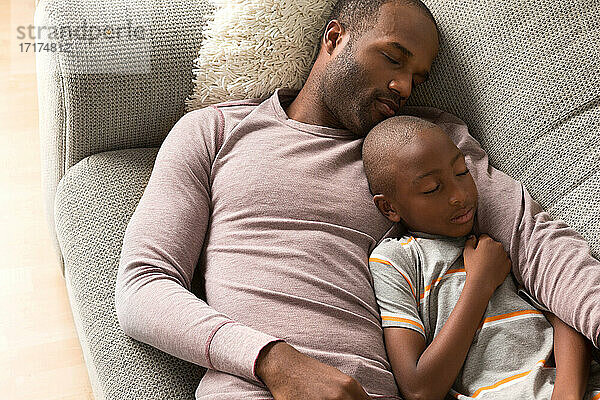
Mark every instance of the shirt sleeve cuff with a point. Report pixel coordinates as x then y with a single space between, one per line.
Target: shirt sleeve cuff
529 298
233 348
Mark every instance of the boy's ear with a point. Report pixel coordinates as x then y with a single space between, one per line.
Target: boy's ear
386 208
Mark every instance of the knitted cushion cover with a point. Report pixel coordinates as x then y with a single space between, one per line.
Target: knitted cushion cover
525 78
94 202
523 75
110 92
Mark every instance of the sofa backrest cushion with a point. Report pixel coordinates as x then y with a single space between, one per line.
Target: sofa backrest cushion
525 77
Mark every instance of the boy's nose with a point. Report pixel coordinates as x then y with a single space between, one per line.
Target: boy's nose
458 196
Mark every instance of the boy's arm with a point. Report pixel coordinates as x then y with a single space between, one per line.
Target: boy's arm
429 372
572 355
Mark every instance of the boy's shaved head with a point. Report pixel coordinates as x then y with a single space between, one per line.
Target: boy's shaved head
383 144
419 177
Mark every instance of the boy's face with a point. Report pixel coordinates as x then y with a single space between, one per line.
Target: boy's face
434 191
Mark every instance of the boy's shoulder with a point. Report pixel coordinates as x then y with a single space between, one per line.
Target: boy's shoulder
414 246
396 250
394 243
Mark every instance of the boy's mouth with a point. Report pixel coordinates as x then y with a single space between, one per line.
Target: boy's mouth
464 217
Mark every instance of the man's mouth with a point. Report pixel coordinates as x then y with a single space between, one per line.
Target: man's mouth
464 216
387 107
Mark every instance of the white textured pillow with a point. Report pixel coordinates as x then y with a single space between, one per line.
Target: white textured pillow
252 47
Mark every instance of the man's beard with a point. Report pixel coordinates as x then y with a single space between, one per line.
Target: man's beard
342 90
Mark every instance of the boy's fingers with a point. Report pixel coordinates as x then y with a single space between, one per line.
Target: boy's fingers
471 242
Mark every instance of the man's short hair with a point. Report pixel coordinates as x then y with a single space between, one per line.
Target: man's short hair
358 16
381 145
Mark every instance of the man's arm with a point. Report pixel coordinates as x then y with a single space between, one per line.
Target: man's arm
161 248
550 259
573 358
291 375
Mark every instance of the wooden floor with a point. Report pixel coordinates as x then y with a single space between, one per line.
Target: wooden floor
40 356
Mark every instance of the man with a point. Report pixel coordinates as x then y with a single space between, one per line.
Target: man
271 197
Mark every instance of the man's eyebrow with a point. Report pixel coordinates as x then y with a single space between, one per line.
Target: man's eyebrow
418 178
408 54
402 49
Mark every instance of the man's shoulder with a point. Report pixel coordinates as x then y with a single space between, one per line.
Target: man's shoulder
432 114
226 115
243 103
226 109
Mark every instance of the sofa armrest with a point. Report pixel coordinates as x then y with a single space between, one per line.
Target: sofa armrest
116 77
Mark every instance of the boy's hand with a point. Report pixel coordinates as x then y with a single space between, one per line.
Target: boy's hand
486 263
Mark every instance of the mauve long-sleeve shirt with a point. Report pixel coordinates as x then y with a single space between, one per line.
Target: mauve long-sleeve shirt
279 214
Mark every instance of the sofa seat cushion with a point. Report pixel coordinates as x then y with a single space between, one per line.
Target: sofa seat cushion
94 202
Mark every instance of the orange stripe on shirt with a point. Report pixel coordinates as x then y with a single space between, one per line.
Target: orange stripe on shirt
449 272
506 380
380 261
407 242
398 319
596 397
509 315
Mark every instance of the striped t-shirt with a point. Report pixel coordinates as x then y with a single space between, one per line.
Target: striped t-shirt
418 280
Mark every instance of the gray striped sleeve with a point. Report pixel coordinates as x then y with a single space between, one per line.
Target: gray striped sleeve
395 283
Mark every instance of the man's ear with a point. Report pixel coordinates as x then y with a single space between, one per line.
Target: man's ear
333 36
386 208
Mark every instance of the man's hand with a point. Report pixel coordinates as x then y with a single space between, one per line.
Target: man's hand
291 375
486 263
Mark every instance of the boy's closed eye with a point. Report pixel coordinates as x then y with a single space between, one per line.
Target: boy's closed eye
435 189
432 190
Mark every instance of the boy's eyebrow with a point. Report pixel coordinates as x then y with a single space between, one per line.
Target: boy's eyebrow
456 157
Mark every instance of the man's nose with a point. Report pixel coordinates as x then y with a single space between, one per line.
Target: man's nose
402 85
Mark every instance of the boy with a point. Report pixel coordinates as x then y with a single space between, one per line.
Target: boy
453 323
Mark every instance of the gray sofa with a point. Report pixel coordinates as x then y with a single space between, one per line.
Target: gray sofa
524 76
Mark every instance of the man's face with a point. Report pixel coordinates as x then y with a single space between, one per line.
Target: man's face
373 75
434 191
